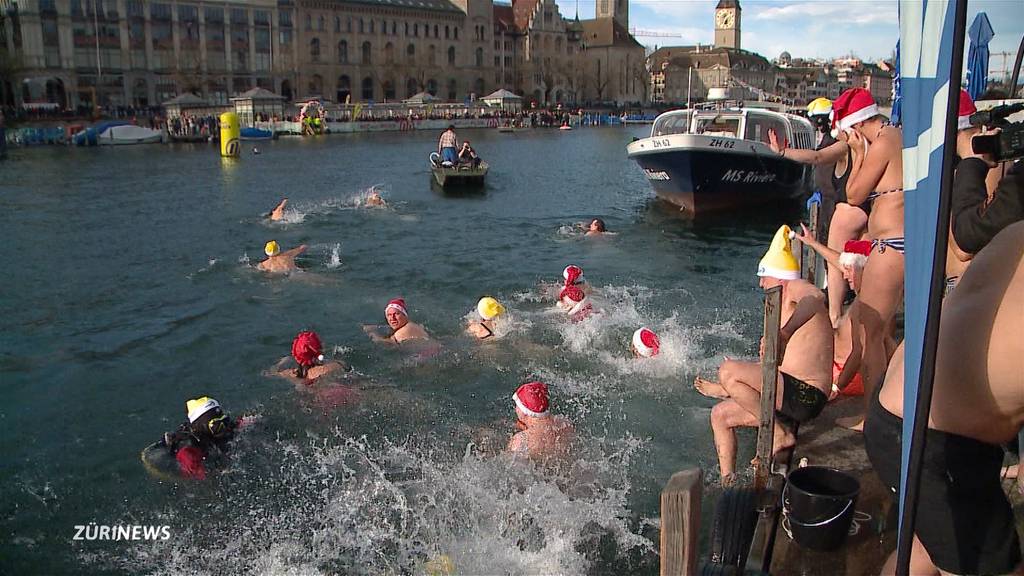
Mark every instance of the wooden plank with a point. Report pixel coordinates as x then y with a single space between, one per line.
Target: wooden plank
760 555
769 377
680 522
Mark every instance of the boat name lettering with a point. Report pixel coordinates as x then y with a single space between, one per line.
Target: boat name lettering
656 174
748 177
720 143
662 143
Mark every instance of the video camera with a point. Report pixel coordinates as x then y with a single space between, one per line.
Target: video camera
1009 142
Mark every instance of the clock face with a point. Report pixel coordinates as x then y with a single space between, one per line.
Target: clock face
724 19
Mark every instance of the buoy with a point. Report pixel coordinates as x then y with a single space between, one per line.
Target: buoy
230 131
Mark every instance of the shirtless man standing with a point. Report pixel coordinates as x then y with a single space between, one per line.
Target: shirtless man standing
876 183
541 436
805 376
398 319
965 524
280 262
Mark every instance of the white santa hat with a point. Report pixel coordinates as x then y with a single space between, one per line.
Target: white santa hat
646 343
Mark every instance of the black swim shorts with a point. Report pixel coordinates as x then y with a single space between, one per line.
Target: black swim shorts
800 401
963 517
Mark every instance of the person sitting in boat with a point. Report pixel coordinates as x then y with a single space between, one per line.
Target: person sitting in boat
645 344
279 262
467 155
448 146
398 320
489 310
541 436
804 376
307 352
278 212
206 435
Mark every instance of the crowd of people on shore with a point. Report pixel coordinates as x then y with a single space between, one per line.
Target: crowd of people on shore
830 345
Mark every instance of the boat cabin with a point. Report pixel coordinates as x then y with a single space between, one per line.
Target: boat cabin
746 123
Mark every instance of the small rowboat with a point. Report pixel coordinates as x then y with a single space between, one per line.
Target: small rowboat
448 176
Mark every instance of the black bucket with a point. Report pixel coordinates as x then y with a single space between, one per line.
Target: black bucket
819 504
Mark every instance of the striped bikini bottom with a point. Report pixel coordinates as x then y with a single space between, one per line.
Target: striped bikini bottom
883 243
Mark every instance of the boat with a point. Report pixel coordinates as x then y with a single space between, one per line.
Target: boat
256 134
129 134
718 159
90 136
448 176
565 127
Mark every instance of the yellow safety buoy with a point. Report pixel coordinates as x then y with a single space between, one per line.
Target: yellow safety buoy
230 131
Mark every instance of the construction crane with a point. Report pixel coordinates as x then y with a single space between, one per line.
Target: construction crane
653 33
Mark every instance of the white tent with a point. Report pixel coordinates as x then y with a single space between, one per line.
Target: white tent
503 99
421 98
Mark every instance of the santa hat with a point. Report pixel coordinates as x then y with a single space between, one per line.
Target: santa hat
853 106
532 398
578 300
397 304
646 343
306 349
967 107
778 261
855 253
573 275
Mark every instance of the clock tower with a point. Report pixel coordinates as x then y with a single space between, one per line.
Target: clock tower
727 24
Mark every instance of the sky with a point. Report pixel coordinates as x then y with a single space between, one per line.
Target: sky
806 28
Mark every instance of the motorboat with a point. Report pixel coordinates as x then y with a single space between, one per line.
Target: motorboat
129 134
719 159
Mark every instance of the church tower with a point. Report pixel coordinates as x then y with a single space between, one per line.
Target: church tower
617 9
727 24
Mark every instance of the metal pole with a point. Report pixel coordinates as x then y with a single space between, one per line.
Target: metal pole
931 327
1016 68
99 66
689 82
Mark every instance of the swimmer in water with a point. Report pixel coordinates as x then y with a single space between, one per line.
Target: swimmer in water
374 199
278 212
595 228
646 343
207 433
575 303
307 351
541 436
255 150
489 310
279 262
402 329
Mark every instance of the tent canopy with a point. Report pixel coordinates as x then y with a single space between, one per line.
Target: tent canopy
502 95
421 98
257 94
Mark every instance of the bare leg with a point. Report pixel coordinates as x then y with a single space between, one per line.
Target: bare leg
725 416
742 380
709 388
920 562
847 223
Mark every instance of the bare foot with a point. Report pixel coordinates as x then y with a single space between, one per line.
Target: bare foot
728 480
855 423
709 388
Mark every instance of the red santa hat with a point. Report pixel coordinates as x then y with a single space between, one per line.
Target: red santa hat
646 343
967 107
397 304
532 399
579 304
573 275
855 253
306 349
853 106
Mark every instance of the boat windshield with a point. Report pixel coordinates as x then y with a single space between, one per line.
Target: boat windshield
758 126
718 125
672 123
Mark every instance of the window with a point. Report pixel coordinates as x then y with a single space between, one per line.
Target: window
371 26
432 55
411 87
479 57
314 49
284 17
447 32
389 90
432 87
348 24
367 86
416 30
478 86
309 22
406 28
452 91
435 30
497 61
456 32
361 30
337 24
367 52
451 55
261 18
389 53
344 90
343 52
410 54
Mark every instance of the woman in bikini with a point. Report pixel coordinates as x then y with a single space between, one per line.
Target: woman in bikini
876 182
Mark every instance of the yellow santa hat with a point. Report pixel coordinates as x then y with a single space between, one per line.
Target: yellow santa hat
779 261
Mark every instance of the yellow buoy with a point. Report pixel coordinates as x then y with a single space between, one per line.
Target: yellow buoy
230 131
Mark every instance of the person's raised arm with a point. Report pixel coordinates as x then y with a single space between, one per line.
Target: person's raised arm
868 169
807 239
295 251
828 155
806 307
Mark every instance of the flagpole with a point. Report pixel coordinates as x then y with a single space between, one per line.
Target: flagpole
922 409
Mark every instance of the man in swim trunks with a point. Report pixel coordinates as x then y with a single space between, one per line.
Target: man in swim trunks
278 212
448 146
489 310
279 262
207 433
402 329
805 375
541 436
964 523
307 351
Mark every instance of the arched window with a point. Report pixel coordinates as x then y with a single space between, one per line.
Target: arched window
478 86
344 89
411 87
371 26
452 91
389 90
406 28
432 87
316 85
343 52
309 22
367 88
410 54
320 23
389 53
432 55
416 30
394 28
314 49
348 24
451 55
367 53
479 57
435 30
361 30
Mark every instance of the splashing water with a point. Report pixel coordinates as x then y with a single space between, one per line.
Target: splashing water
335 258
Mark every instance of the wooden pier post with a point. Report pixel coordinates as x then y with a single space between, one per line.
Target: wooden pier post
769 379
680 523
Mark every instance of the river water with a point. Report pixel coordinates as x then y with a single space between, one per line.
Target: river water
131 288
